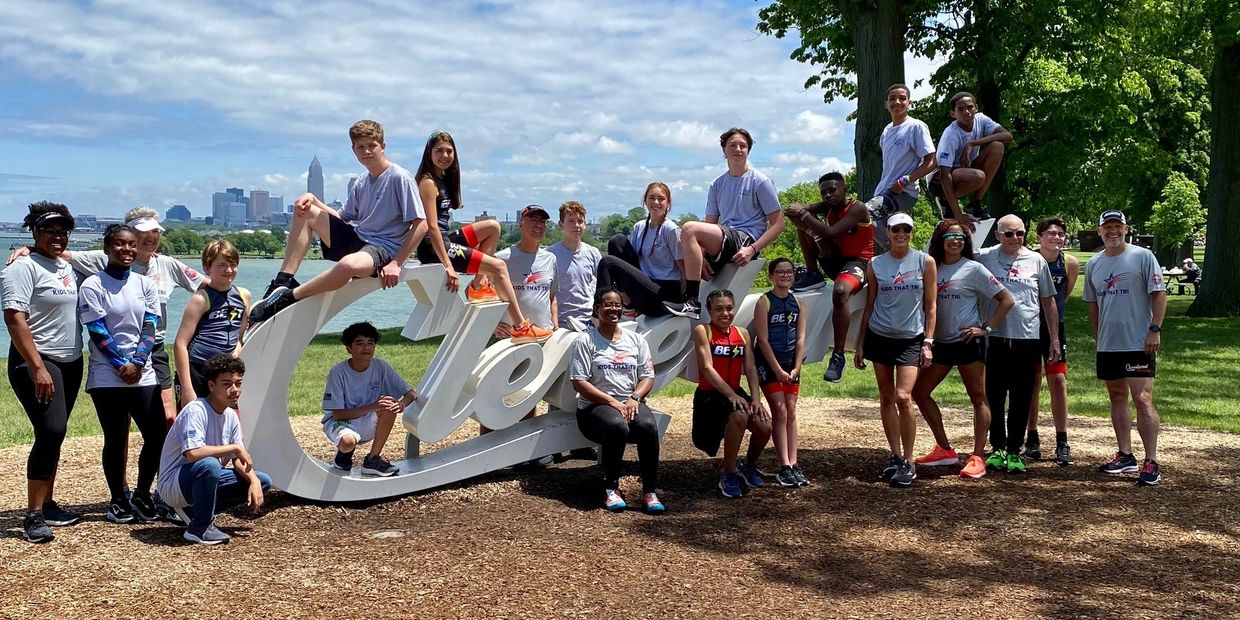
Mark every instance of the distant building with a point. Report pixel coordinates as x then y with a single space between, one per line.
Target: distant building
279 220
276 204
314 181
484 217
260 202
237 192
178 213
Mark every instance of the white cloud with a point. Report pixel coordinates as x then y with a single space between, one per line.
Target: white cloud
611 146
807 127
680 134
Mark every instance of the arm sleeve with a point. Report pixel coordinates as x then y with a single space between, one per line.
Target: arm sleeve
1046 282
349 212
987 282
89 263
767 197
579 366
146 341
18 286
232 430
98 332
989 125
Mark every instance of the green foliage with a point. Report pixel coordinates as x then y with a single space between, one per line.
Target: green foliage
1179 216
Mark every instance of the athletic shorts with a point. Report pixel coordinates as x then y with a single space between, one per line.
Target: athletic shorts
892 351
362 429
845 268
1115 365
733 241
770 385
1060 367
711 410
465 259
346 241
159 362
196 380
959 353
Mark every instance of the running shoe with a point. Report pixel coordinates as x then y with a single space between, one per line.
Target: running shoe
164 511
343 461
142 507
376 465
652 505
1151 474
975 467
802 480
835 368
209 535
1015 463
279 299
750 474
275 284
997 459
35 528
1120 464
905 474
1063 455
119 513
613 501
530 333
938 457
893 465
588 453
810 280
688 309
57 516
976 209
1033 446
484 294
730 484
786 477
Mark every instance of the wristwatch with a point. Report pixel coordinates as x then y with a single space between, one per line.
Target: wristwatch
1154 329
929 341
988 328
638 398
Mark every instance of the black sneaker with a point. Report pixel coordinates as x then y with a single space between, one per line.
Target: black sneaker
802 480
57 516
835 368
534 464
1150 475
279 299
343 461
1033 446
893 465
786 477
975 209
142 507
1120 464
809 281
276 283
588 453
1063 454
209 535
689 309
119 513
378 466
36 529
905 474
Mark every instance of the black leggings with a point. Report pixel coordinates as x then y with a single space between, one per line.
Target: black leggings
115 406
621 270
1010 364
606 427
50 420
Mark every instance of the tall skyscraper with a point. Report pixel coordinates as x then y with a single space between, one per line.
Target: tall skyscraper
260 204
277 205
314 182
237 192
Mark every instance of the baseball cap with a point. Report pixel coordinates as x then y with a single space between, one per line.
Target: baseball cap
144 224
899 218
1112 215
535 210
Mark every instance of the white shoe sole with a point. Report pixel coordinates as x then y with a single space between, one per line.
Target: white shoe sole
939 463
381 474
194 539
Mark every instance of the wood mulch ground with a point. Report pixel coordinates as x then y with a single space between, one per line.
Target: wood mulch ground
1053 543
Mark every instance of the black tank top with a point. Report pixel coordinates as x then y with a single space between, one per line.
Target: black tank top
443 207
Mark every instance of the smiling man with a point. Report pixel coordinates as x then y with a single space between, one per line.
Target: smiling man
908 156
970 151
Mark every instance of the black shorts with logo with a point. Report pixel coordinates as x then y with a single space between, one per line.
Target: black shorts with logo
1116 365
836 266
346 241
459 253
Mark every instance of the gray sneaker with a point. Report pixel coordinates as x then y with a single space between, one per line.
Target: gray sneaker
35 529
893 465
835 368
802 480
211 535
786 477
378 466
1063 455
905 474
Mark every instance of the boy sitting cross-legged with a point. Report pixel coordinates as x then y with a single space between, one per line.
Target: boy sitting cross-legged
364 394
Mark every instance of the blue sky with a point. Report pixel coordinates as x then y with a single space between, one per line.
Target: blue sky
113 103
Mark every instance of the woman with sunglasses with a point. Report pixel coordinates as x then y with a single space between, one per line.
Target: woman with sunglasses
646 265
959 341
45 357
779 328
1014 348
897 333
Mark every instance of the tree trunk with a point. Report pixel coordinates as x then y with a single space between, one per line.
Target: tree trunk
990 98
878 36
1220 288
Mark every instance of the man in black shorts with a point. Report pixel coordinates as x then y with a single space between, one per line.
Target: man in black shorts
842 245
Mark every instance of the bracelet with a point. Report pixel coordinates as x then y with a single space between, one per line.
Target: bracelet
906 179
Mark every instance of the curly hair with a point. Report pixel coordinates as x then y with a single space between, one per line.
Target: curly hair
364 328
936 241
222 363
42 208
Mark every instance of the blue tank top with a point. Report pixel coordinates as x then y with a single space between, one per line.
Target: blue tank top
1059 275
781 326
443 206
219 326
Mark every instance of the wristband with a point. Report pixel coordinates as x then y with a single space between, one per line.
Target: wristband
906 180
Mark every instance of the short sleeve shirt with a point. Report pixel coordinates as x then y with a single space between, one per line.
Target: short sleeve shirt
196 426
900 301
614 367
1028 278
1122 286
348 388
951 143
575 280
122 304
962 287
46 290
743 202
533 280
903 147
657 250
166 272
381 208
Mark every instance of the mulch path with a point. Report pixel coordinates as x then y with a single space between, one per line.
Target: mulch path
1056 542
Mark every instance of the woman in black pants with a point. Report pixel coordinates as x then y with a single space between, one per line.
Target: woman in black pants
612 373
120 310
646 265
45 357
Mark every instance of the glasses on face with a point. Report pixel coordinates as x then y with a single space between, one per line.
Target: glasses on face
1014 233
902 229
785 272
1054 233
612 305
953 236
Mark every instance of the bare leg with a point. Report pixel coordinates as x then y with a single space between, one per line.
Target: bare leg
383 429
498 272
355 265
974 377
315 220
923 390
779 426
697 239
809 249
759 436
488 233
168 397
790 406
1057 385
842 292
1147 417
1117 392
884 375
988 162
906 376
732 436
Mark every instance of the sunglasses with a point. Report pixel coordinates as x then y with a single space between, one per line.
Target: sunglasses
1014 233
902 229
953 236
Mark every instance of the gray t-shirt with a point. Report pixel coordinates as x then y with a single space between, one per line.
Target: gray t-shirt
45 289
1028 278
951 143
899 306
381 208
575 281
196 426
613 367
122 304
962 287
743 202
166 272
533 280
1121 286
657 249
348 388
903 147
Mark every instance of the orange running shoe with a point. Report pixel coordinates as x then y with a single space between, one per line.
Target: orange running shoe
975 467
481 294
530 333
938 456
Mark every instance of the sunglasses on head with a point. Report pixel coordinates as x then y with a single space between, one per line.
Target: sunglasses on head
953 236
1014 233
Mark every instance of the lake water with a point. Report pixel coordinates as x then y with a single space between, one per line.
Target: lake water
384 308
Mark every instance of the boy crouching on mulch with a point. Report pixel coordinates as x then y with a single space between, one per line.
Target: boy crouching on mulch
361 401
205 438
